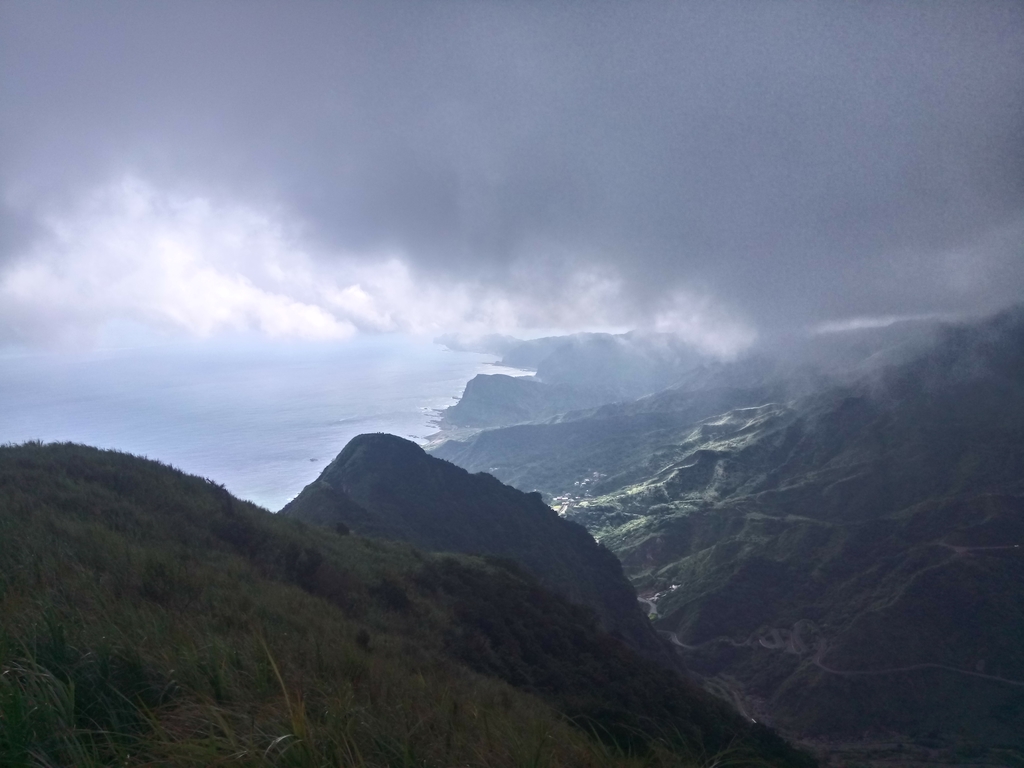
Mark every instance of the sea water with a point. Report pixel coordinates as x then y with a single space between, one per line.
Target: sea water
261 417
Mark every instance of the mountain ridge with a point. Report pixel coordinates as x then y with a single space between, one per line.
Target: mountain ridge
796 546
149 617
390 487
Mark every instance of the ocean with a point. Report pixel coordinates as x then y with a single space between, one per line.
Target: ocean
263 418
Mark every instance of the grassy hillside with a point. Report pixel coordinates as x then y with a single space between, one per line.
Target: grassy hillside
385 486
149 618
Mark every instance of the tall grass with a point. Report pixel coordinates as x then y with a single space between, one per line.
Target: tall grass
417 721
147 619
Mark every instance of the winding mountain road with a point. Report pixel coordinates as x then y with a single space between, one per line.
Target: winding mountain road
964 550
674 638
823 648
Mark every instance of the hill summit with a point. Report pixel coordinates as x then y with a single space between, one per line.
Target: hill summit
381 485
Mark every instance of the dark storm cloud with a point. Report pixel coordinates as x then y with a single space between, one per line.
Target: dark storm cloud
790 163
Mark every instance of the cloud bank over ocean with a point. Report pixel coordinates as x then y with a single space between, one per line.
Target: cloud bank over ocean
320 170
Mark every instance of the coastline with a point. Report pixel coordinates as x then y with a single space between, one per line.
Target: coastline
445 431
264 419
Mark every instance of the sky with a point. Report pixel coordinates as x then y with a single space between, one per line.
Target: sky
316 169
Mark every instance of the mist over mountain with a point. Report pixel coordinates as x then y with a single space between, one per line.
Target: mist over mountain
760 268
845 547
570 373
577 373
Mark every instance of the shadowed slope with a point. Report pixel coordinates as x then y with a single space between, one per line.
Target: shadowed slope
149 618
385 486
850 560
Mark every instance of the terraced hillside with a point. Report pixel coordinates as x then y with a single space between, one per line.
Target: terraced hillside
849 564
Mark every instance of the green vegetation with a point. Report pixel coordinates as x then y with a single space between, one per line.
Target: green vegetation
149 618
622 366
848 564
553 456
382 485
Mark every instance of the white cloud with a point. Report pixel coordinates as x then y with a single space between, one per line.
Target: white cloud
697 321
191 265
129 252
865 323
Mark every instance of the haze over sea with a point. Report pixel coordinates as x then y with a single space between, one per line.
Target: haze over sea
263 418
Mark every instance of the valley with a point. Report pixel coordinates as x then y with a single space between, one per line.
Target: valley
839 549
832 556
511 384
